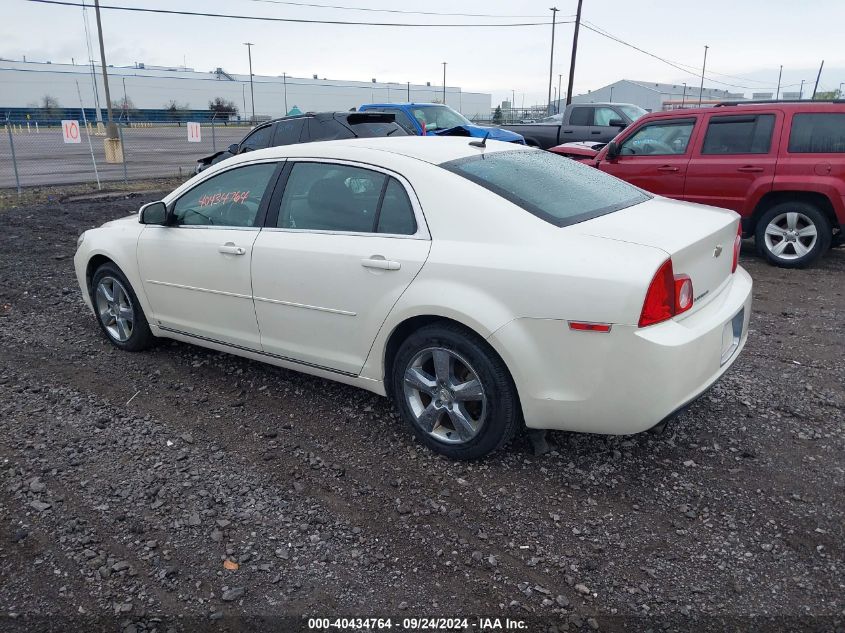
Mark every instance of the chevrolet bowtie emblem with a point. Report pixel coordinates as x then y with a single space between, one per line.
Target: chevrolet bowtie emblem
717 251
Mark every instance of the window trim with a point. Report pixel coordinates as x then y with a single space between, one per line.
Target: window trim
725 119
272 216
654 122
262 207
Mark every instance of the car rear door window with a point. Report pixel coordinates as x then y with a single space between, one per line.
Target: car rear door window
740 134
396 215
257 139
288 132
659 139
817 133
581 116
231 198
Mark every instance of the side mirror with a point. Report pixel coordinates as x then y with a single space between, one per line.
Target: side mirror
612 149
153 213
233 149
617 123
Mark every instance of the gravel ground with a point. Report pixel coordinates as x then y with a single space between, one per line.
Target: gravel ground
183 489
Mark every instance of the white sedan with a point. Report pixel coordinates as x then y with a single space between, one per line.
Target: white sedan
478 285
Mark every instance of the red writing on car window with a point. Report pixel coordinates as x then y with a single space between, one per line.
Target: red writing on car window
219 198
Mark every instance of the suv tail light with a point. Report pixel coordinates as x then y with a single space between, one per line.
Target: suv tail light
668 295
737 247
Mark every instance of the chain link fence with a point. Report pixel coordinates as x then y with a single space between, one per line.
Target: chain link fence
37 154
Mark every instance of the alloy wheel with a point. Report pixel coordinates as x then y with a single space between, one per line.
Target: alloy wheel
114 308
445 395
791 235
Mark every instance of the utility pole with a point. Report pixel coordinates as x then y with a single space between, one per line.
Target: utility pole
780 74
684 97
111 128
819 76
444 83
554 11
285 81
801 92
611 94
559 95
703 66
574 53
249 46
409 92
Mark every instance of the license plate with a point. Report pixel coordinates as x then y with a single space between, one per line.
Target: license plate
731 335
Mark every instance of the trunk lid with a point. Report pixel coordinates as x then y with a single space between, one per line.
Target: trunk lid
698 238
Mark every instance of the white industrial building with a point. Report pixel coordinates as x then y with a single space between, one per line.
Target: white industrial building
24 84
655 97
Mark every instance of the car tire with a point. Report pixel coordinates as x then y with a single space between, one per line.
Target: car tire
454 392
792 234
118 310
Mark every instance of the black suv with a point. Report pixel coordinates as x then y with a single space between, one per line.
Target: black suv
309 127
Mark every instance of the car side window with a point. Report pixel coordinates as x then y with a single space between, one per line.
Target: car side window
817 133
287 132
740 134
328 130
659 139
603 116
396 215
228 199
330 197
257 139
581 116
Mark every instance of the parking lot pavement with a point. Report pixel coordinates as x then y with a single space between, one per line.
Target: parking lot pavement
130 480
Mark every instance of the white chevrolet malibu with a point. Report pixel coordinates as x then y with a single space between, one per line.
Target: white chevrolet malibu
479 286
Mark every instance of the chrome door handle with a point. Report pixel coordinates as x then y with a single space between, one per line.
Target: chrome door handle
230 249
380 263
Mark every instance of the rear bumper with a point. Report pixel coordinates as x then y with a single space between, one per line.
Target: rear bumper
627 380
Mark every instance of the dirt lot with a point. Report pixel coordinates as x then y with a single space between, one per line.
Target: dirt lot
128 481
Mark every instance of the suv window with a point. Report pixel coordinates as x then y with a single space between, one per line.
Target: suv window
739 134
288 132
560 192
581 116
329 197
228 199
817 132
327 130
659 139
257 139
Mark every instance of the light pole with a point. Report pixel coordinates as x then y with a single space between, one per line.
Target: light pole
780 74
703 66
559 95
444 83
513 105
249 46
285 81
684 97
801 91
840 89
611 94
554 11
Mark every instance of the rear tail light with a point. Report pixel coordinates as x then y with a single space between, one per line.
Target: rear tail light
737 247
668 295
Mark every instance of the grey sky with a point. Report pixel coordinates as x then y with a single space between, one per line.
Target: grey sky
747 38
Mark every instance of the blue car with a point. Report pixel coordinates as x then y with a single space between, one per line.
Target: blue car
436 119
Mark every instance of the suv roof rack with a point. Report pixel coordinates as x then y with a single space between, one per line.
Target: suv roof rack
752 102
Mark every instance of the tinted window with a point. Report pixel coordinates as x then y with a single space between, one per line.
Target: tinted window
559 191
404 120
439 117
288 132
818 133
658 139
396 215
581 116
257 139
603 116
327 130
367 129
327 197
228 199
739 134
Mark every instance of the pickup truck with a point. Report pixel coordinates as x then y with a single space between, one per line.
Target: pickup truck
595 122
436 119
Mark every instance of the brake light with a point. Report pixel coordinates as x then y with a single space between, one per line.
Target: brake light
737 248
668 295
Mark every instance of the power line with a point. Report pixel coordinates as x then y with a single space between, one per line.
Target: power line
402 11
295 20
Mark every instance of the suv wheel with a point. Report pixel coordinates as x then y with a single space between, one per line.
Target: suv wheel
454 393
793 234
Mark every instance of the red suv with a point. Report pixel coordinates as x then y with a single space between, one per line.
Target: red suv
780 165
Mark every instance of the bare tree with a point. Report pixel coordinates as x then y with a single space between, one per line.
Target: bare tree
222 106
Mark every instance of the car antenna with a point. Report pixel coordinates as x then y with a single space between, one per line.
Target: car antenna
482 143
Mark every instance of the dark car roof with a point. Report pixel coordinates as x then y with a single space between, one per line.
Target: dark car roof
350 116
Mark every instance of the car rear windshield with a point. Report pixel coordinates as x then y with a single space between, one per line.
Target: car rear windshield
367 129
556 189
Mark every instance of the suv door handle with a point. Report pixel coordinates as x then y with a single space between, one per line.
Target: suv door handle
229 248
668 168
749 168
380 263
